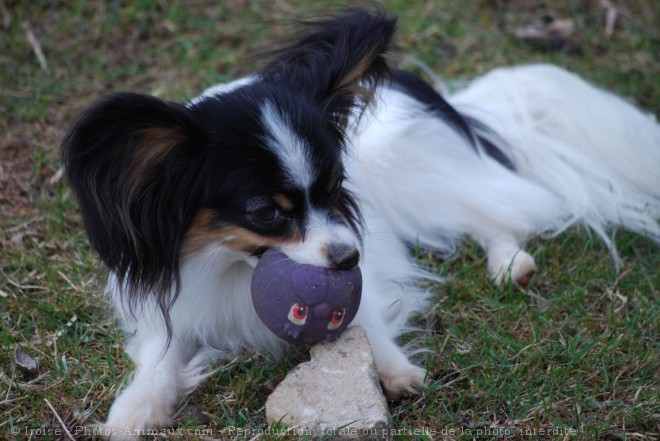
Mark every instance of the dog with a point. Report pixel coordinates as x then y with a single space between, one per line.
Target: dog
336 157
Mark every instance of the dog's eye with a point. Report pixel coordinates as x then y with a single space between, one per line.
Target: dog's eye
267 213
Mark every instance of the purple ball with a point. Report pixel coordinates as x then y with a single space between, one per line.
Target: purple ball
304 304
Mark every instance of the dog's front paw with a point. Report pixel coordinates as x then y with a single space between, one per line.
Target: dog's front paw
129 427
131 416
400 380
516 266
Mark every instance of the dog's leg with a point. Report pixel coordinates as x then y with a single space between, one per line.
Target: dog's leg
397 374
507 261
153 393
390 297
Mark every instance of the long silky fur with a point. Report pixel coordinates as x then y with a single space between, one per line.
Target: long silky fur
597 153
347 57
133 161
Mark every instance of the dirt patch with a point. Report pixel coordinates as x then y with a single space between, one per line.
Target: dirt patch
28 168
17 197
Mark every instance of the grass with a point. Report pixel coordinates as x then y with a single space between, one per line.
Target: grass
577 351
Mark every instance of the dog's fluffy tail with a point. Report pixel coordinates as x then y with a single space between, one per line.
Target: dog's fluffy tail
598 153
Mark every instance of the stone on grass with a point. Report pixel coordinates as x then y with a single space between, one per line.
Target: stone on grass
336 395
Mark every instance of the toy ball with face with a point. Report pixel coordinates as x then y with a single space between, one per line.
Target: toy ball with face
304 304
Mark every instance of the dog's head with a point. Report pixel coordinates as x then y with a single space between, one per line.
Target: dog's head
255 166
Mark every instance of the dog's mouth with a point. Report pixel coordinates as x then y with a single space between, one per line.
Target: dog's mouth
259 251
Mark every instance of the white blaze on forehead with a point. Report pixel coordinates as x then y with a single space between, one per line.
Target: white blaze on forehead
287 145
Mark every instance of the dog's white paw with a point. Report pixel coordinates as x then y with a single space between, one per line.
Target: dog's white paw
516 266
131 416
399 380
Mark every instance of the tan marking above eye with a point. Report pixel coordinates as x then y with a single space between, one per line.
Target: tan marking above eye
284 202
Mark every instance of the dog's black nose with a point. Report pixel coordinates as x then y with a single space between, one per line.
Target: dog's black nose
343 257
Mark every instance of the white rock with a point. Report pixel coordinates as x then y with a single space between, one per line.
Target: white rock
336 395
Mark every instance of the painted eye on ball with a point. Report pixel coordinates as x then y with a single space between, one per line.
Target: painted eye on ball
298 314
337 319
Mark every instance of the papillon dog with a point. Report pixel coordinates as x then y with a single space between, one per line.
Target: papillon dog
336 157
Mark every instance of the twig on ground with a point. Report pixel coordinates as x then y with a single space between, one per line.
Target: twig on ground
6 15
36 46
59 419
611 14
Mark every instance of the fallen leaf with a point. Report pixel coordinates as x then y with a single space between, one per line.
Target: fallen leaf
25 362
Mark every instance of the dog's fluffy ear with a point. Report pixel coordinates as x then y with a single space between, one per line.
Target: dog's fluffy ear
338 64
133 161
